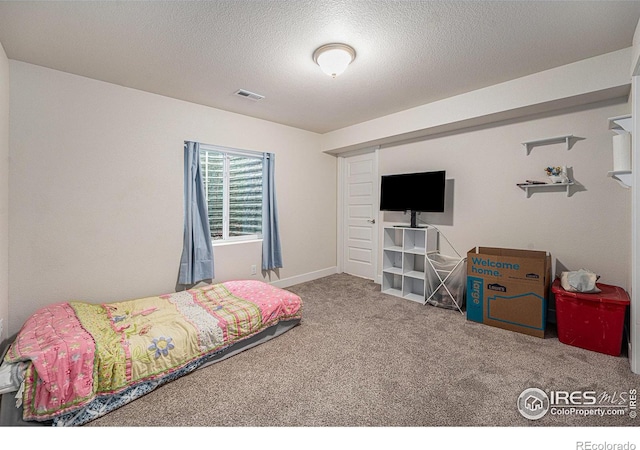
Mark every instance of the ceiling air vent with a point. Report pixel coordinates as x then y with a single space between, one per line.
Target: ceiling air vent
249 95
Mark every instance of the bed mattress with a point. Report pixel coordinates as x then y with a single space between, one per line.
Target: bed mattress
85 360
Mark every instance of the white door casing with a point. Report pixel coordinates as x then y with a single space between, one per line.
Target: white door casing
359 206
634 331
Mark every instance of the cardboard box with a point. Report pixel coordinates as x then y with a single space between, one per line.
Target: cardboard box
508 288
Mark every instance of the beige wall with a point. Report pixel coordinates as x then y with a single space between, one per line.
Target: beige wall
583 82
589 229
4 191
634 313
95 214
96 181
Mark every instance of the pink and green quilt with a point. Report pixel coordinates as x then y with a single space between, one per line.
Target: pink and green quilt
80 351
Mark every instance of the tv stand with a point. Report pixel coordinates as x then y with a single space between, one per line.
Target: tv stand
409 226
412 266
414 219
404 261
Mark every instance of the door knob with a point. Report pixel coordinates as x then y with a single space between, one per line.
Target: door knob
371 220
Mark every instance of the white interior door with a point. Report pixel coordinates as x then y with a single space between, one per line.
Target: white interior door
360 210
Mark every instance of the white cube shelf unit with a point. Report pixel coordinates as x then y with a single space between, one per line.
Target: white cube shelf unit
403 261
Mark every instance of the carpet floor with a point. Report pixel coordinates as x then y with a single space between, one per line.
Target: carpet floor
361 358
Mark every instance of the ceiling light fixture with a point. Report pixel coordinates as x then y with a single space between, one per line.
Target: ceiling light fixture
333 59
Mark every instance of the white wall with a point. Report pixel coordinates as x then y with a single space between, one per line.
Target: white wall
634 312
583 82
588 229
4 191
97 182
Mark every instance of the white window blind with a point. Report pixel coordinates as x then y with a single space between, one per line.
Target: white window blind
233 186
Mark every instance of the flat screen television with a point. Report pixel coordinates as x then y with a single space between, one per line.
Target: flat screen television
413 192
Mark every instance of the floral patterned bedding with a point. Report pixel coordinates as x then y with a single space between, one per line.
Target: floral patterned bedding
79 352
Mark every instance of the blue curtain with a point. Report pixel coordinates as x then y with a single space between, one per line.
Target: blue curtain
271 253
196 263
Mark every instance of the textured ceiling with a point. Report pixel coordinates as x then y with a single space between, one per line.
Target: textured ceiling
408 52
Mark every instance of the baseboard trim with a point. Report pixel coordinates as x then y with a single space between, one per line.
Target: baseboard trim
310 276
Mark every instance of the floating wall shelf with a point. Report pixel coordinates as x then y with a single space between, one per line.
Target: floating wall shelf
553 140
621 125
530 188
623 177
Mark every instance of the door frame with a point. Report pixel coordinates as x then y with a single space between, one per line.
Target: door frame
342 205
634 319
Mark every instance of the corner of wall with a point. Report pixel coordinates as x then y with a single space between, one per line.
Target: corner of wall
4 192
635 60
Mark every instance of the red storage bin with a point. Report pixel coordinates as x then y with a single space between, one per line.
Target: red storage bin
591 321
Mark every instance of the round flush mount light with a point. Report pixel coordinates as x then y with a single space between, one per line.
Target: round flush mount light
333 59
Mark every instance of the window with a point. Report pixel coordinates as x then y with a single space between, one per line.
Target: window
233 186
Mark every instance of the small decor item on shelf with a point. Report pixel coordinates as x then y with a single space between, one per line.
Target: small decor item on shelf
557 174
